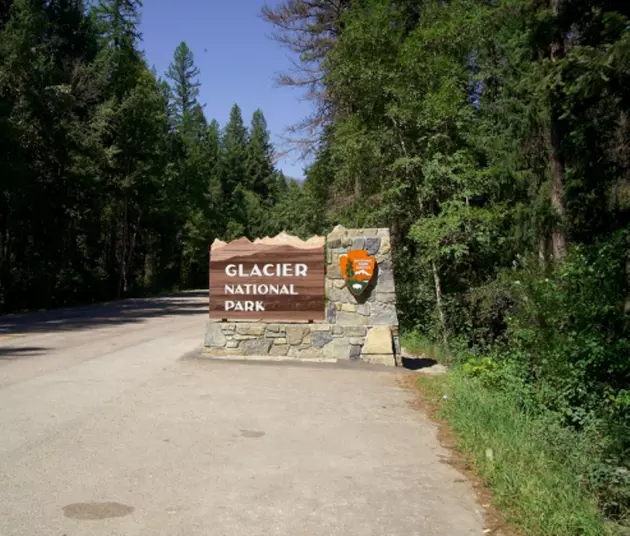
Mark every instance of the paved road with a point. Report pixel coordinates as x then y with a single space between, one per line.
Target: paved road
110 426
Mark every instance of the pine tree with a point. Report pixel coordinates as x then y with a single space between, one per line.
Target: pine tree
121 62
183 76
234 151
259 164
119 20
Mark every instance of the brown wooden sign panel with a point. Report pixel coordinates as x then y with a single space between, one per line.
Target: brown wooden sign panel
270 279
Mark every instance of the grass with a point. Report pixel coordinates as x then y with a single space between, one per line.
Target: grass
530 466
416 344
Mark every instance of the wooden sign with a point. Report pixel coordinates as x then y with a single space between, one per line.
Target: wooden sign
357 268
270 279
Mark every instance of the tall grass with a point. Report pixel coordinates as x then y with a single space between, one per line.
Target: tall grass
418 345
531 465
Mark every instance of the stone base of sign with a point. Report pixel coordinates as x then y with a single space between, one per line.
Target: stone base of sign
303 342
361 328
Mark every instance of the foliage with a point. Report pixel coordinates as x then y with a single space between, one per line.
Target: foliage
113 182
532 465
493 139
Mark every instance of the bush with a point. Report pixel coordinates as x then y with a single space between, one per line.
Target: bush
565 360
534 465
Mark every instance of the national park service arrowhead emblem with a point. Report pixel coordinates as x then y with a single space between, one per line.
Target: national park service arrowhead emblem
357 268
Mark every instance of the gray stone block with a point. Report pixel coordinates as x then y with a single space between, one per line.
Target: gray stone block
346 241
337 295
351 319
337 232
370 231
386 297
214 337
385 245
256 346
372 245
310 353
279 351
337 331
238 337
355 331
333 271
397 349
384 314
331 313
336 349
321 338
251 329
232 344
334 243
363 309
275 334
378 341
295 334
380 359
355 352
385 281
358 242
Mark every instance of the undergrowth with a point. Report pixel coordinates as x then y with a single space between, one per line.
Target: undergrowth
532 465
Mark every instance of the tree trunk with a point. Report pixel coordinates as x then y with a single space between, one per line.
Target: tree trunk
438 301
122 281
556 162
543 249
132 244
357 187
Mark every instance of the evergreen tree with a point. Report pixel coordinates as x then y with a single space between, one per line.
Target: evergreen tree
119 21
232 172
183 76
483 134
259 160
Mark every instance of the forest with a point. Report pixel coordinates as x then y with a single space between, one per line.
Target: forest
491 136
113 182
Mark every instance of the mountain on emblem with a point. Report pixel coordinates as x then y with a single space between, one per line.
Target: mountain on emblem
357 268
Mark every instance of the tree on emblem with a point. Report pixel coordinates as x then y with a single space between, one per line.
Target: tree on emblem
349 270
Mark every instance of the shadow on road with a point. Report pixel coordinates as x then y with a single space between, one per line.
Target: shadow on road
417 363
110 314
10 354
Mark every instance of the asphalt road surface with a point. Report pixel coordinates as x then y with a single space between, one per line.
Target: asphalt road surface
110 425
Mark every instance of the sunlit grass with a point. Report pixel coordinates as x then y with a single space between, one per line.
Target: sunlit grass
517 457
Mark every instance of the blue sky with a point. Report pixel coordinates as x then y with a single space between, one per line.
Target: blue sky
236 57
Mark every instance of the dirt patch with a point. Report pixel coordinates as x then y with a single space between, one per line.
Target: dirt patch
423 401
97 510
252 433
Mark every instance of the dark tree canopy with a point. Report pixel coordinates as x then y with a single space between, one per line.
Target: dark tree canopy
493 139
